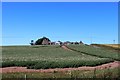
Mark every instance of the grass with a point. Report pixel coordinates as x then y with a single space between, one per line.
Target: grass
44 57
105 73
95 51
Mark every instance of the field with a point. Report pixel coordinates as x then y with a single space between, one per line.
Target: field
38 57
113 45
46 57
109 46
96 51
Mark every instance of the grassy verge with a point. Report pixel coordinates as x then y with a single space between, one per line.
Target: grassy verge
105 73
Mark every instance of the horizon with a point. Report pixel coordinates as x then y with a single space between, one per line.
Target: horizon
90 22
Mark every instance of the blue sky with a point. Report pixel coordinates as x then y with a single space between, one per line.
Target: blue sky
94 22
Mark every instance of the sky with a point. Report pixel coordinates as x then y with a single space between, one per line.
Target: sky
59 0
90 22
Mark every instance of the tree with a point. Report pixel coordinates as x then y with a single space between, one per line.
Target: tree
39 41
32 42
81 42
76 43
61 43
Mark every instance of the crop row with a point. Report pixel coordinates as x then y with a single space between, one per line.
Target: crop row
53 64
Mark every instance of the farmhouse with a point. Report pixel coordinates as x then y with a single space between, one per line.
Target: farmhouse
46 42
67 43
57 43
52 43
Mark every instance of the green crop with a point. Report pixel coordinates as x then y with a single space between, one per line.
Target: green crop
43 57
95 51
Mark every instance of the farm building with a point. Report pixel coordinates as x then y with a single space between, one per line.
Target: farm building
46 42
67 43
57 43
43 41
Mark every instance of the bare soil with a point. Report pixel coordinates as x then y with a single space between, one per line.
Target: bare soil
64 47
114 64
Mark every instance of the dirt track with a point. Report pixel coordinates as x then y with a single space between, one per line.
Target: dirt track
24 69
64 47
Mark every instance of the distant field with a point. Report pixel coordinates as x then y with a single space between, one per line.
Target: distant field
43 57
114 46
96 51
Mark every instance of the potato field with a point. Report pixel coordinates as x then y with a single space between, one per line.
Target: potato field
44 57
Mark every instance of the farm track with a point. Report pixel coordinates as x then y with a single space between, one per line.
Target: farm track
66 48
114 64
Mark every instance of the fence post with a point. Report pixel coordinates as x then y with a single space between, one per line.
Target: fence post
25 76
94 74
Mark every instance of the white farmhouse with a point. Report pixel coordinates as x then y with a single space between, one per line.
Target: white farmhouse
57 43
